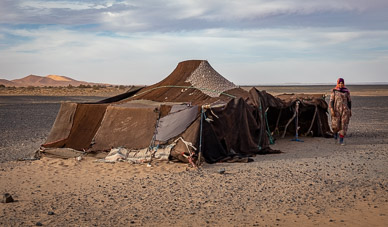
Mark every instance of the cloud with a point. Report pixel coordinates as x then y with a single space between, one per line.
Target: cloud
145 58
169 16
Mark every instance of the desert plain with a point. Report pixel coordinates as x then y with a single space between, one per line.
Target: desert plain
311 183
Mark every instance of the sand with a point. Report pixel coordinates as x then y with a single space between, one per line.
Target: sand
312 183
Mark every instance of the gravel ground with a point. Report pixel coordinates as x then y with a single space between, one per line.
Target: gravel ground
26 122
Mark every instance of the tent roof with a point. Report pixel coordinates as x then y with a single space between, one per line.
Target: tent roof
305 99
193 81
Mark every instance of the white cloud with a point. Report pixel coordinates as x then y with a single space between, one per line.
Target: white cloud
245 57
72 5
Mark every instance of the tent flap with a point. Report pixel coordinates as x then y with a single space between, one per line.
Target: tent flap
176 122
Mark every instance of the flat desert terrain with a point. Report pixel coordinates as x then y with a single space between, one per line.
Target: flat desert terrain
312 183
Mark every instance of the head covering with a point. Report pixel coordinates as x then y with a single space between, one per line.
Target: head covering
338 88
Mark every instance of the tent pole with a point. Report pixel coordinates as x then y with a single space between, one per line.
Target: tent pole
285 128
200 137
152 143
312 121
320 125
277 122
297 123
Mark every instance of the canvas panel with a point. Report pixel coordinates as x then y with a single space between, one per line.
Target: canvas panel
133 90
257 97
62 125
306 99
131 128
177 108
163 107
138 104
180 117
236 132
87 120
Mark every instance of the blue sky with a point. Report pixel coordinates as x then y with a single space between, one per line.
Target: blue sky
249 42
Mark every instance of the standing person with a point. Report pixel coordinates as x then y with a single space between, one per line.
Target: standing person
340 109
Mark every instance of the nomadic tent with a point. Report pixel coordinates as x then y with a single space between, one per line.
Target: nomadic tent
193 114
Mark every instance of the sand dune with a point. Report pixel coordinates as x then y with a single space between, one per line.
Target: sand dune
42 81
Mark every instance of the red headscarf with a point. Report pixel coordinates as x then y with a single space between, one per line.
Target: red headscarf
338 88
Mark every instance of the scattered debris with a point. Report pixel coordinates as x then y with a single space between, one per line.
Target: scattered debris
7 198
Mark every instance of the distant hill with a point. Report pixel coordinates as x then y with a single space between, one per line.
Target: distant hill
40 81
7 83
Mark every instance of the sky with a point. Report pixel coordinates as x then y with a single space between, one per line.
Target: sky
249 42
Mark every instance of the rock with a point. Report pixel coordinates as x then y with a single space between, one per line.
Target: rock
50 213
7 198
39 224
221 171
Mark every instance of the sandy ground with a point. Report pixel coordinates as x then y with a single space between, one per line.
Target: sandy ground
312 183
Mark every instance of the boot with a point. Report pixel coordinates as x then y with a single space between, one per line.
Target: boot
341 141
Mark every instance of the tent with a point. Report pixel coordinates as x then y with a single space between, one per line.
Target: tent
194 114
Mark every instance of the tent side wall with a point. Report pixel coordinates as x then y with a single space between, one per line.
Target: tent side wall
237 129
61 128
132 128
84 125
